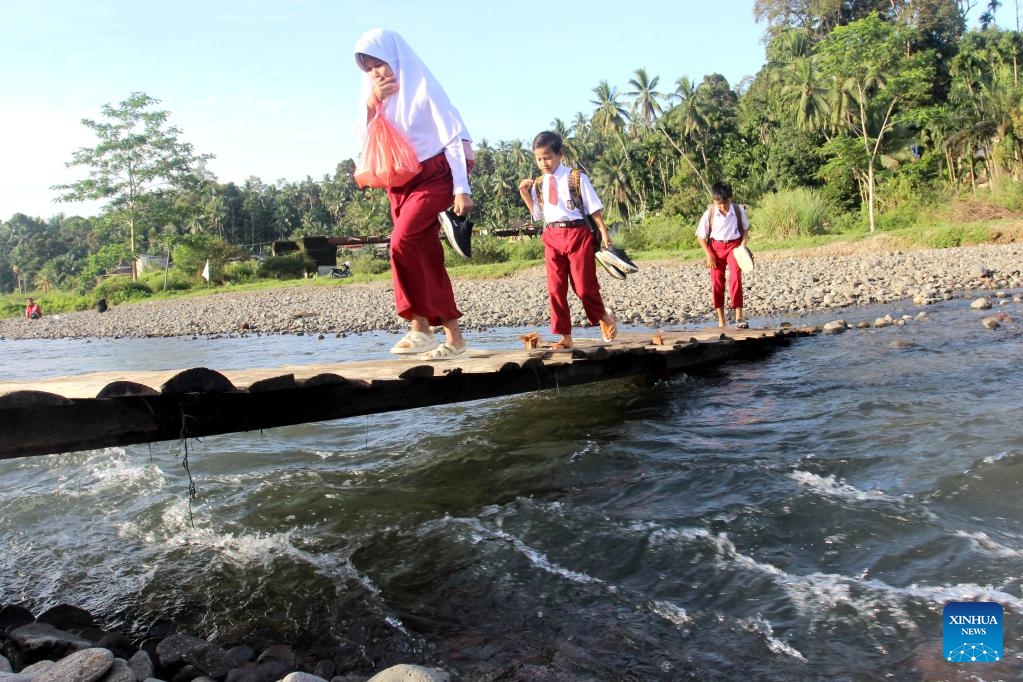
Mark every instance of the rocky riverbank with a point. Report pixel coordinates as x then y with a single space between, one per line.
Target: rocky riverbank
662 294
68 644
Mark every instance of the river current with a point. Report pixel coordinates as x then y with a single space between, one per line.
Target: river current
803 516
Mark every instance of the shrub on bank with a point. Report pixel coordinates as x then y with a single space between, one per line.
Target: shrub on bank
121 288
369 264
529 248
792 213
485 249
169 280
657 233
241 271
288 266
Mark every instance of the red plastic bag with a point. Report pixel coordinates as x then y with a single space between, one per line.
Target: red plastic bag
388 160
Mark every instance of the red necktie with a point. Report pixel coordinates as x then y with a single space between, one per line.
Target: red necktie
552 192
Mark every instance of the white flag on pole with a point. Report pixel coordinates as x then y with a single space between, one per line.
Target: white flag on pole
206 271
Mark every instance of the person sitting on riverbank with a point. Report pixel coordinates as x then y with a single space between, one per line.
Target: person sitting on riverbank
32 310
568 242
723 227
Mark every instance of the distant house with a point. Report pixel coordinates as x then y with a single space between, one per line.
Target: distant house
145 262
123 268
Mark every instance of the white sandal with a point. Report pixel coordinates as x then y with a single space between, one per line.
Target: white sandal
415 343
445 351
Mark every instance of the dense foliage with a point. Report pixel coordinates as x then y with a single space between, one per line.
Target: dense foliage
863 111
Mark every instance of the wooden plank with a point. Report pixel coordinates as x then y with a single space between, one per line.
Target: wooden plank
62 414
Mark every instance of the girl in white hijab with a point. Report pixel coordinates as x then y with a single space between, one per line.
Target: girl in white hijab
398 86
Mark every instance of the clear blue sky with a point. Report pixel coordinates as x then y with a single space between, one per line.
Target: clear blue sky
270 86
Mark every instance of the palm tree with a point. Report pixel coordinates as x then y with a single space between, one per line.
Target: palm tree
646 103
610 114
614 176
570 146
692 113
804 94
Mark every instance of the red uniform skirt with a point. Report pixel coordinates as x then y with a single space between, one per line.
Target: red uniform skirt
421 283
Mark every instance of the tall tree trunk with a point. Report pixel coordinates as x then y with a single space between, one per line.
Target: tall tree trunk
870 195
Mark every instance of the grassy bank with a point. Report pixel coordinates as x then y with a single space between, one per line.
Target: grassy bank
936 235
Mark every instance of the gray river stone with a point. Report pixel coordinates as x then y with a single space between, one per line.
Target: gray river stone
209 659
16 677
119 671
5 665
38 668
67 617
267 671
410 673
141 665
302 677
277 652
40 641
13 616
87 665
324 669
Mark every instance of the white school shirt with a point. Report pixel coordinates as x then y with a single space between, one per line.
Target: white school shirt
562 211
723 227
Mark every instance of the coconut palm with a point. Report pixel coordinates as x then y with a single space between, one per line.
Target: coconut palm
646 102
610 115
805 95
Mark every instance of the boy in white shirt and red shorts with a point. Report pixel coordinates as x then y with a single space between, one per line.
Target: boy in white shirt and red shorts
723 227
568 242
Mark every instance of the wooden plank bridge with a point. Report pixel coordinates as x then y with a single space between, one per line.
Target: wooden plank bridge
103 409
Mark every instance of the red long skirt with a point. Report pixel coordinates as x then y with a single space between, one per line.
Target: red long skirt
421 283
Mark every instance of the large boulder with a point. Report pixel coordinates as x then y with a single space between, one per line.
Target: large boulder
87 665
41 641
177 651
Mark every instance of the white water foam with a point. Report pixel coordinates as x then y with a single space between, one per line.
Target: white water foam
96 473
823 592
671 613
762 628
983 543
478 533
832 487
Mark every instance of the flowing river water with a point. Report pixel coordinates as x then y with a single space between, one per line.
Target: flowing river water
803 516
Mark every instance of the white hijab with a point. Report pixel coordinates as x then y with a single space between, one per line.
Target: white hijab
420 108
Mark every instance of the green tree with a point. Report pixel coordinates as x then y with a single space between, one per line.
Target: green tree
610 114
646 100
876 81
137 154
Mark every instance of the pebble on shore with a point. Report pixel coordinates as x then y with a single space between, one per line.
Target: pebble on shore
661 294
67 644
